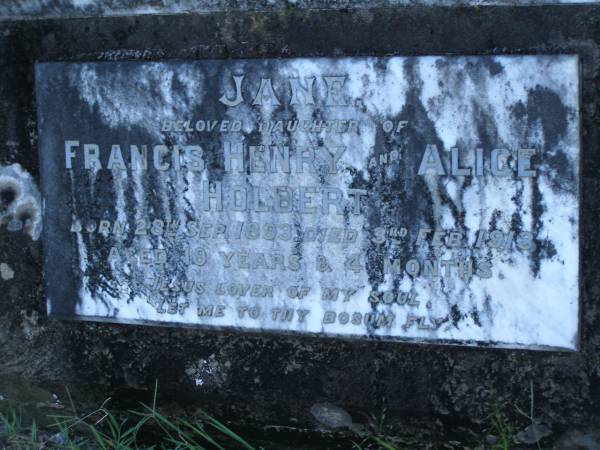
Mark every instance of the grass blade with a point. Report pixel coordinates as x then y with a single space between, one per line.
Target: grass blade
226 431
383 444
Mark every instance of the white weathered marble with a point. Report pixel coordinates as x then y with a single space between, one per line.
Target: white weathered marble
514 102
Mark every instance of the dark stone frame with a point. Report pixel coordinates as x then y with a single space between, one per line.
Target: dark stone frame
415 384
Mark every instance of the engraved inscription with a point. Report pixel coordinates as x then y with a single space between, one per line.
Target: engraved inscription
432 199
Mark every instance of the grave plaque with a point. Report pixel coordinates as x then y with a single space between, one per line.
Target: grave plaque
429 199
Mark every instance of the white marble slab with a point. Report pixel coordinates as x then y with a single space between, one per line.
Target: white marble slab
399 236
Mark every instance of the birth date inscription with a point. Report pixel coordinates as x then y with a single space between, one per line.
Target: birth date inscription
429 199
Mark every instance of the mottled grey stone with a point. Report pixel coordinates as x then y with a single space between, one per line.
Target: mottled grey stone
28 9
426 198
578 440
6 272
429 393
330 415
533 433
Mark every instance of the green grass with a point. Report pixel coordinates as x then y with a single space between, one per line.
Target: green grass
149 429
374 442
503 431
101 429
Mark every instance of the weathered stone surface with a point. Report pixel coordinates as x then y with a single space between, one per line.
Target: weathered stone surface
331 415
428 198
28 9
579 440
533 433
425 391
